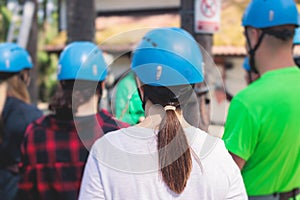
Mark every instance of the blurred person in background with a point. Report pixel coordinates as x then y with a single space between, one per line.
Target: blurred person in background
56 146
16 113
262 129
128 105
250 75
219 105
160 158
296 42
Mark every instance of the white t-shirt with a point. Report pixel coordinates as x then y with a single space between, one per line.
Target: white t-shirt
124 165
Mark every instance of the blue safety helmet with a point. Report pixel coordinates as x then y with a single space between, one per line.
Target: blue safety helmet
268 13
246 64
296 40
82 61
13 58
167 57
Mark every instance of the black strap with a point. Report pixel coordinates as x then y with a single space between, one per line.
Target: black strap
280 34
252 50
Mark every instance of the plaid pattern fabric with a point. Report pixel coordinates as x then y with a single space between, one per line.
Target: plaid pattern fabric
54 153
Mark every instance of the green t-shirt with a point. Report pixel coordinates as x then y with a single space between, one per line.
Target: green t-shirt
263 128
128 105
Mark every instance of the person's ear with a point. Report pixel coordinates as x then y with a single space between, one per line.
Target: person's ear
25 76
254 35
102 85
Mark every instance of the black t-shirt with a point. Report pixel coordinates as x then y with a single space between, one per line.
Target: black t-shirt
16 116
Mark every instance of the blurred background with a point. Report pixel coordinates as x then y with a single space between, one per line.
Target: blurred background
44 27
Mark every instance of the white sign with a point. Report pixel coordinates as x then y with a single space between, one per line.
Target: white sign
207 16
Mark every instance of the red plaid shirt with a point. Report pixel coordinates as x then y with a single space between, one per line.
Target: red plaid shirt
54 153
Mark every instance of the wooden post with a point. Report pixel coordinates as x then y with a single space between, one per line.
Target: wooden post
205 40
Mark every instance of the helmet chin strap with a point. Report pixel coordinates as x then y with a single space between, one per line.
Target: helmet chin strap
251 51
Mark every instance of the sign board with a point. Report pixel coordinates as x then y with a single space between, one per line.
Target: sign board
207 16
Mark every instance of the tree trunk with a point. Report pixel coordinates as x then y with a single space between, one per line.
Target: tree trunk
32 49
80 20
205 40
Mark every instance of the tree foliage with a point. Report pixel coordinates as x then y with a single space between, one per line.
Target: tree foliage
5 17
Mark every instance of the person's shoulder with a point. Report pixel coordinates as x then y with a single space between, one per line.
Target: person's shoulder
109 119
251 96
18 114
125 136
213 146
35 132
215 151
44 120
118 134
110 140
39 125
212 153
129 78
30 111
203 143
250 90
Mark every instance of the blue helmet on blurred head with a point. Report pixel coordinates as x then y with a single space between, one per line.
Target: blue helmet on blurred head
296 40
82 61
14 58
246 64
168 57
268 13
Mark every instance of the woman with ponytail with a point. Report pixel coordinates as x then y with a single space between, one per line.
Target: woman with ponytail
16 113
163 157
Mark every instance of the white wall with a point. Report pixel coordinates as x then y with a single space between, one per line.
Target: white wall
235 77
118 5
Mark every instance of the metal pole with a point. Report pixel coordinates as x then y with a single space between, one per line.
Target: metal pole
187 14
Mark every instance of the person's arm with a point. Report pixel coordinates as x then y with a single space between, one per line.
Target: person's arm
241 132
91 186
238 160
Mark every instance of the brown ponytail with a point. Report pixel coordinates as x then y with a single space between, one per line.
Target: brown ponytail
17 88
174 154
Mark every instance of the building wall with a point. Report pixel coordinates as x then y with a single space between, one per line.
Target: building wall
235 77
114 5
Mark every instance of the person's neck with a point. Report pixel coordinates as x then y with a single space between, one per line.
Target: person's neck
273 61
154 115
88 108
